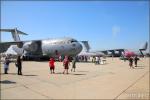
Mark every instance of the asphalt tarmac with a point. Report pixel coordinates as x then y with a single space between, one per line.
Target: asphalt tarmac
113 80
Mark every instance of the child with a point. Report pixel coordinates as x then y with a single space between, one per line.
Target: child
51 65
66 64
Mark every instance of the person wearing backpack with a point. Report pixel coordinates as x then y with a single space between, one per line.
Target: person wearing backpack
66 64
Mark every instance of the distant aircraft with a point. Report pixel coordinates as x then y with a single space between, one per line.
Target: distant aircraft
123 53
86 52
39 48
127 53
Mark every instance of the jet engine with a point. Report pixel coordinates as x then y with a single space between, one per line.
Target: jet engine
30 46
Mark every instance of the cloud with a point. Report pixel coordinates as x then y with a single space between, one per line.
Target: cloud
115 30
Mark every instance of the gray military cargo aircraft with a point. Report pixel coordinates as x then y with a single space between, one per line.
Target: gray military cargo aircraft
86 52
40 48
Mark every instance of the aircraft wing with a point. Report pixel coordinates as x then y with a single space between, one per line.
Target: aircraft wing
91 54
86 54
14 50
5 45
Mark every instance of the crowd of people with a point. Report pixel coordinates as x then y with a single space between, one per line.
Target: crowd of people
131 59
18 64
66 63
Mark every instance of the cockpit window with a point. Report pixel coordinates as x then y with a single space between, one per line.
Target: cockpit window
73 41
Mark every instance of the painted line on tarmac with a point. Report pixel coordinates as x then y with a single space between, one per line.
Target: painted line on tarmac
130 85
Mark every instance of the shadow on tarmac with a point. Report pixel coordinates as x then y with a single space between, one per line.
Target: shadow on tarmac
7 82
82 71
78 74
29 75
16 74
139 67
69 74
9 73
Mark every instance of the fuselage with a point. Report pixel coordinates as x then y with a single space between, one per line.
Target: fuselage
54 47
63 46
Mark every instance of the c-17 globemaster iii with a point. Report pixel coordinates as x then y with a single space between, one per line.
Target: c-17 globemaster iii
39 48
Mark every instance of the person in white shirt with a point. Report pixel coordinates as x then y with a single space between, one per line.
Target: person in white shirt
97 60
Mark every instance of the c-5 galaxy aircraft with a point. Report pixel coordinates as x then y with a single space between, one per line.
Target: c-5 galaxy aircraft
39 48
86 52
128 53
123 53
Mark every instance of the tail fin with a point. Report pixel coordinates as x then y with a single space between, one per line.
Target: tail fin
86 46
144 47
15 33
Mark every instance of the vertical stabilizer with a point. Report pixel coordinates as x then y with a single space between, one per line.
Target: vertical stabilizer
143 48
86 46
15 35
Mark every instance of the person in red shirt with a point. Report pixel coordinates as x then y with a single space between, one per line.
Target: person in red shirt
51 65
66 65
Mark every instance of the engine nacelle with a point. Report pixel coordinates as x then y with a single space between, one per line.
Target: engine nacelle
30 46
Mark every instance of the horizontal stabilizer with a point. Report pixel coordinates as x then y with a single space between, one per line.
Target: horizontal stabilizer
13 30
15 33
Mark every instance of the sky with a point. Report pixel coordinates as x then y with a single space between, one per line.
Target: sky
104 24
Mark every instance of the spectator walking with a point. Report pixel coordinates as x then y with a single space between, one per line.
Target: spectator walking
51 65
6 65
135 60
97 60
131 62
73 64
19 65
66 65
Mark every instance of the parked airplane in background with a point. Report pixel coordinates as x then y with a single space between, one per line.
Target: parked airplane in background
39 48
127 53
86 52
123 53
